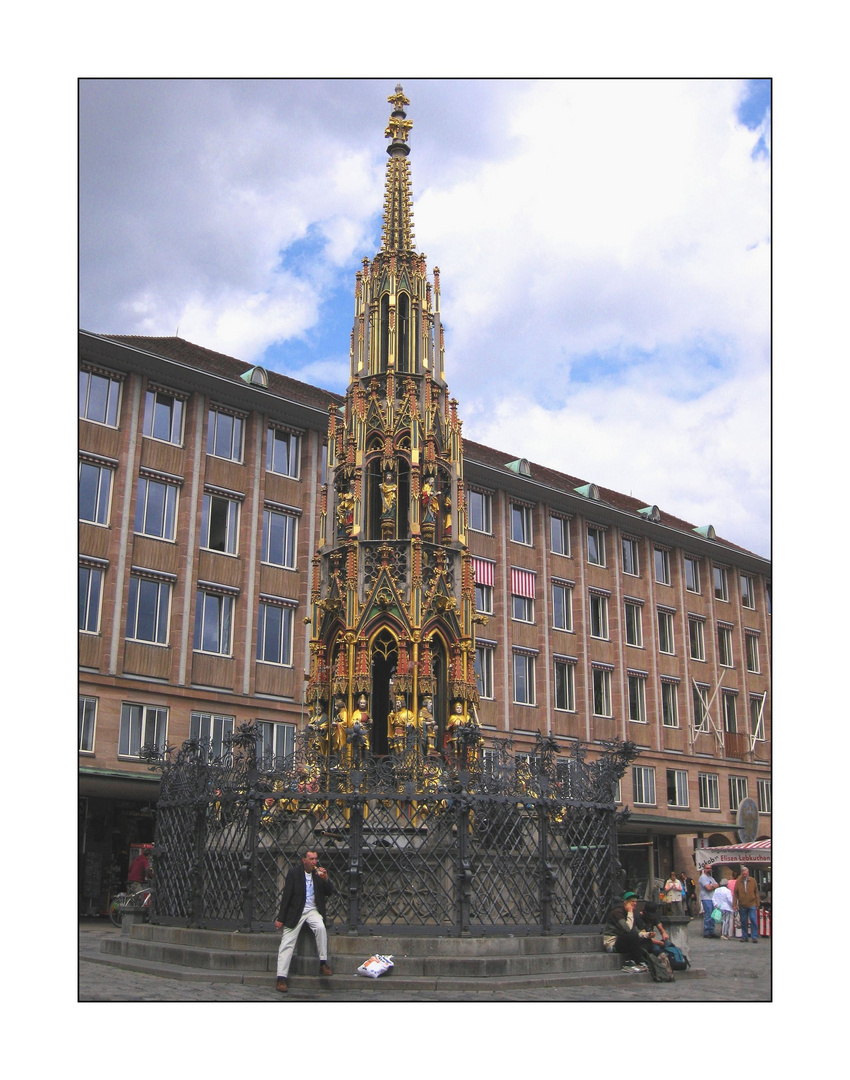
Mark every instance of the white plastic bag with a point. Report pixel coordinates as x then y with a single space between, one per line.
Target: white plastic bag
375 966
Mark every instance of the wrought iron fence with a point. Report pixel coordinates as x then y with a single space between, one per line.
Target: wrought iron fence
414 842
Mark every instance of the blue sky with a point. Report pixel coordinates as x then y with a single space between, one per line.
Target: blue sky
604 248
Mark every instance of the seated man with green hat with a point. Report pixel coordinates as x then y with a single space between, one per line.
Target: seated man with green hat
623 933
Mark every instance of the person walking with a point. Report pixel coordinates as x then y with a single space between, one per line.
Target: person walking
746 901
304 896
707 885
723 900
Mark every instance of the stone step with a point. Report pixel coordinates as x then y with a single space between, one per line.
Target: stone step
433 964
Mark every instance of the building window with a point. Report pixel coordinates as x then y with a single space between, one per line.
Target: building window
724 646
163 417
224 435
275 745
596 546
283 453
637 699
634 629
142 726
219 524
565 689
709 791
765 796
692 574
87 723
212 732
753 653
643 785
484 671
95 492
737 791
602 692
670 704
721 586
559 532
696 639
677 788
522 608
748 591
480 509
598 616
99 398
156 509
662 566
147 610
757 702
521 524
631 563
562 606
274 634
730 718
665 632
524 691
700 699
89 589
279 538
484 599
213 623
523 584
483 571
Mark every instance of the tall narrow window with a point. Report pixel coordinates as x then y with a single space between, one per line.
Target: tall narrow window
724 646
99 398
559 530
87 719
595 546
634 628
283 452
602 692
696 639
88 592
224 435
662 566
669 704
156 508
521 524
637 699
643 785
562 606
213 623
631 563
219 523
665 632
279 538
565 690
692 574
721 584
479 506
598 616
484 670
148 610
142 726
274 634
524 690
163 417
95 490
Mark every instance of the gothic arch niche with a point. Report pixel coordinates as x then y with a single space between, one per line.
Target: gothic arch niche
403 359
399 514
439 667
384 339
384 655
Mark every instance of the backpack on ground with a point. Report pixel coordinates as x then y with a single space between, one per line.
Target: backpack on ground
659 967
678 960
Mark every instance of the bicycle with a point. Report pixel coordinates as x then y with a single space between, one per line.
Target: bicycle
130 902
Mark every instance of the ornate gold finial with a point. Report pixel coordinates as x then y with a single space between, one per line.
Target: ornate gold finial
399 126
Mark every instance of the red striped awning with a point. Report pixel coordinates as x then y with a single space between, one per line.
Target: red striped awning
482 570
522 583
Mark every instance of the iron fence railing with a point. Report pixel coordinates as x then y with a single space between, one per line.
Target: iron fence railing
492 844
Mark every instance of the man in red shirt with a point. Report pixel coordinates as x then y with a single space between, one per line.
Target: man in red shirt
139 871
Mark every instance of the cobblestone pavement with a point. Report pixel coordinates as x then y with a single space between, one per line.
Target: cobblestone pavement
737 972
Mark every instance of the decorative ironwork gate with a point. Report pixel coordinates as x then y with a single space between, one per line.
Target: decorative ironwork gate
496 843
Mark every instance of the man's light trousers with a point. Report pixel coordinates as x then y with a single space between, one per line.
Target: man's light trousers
290 935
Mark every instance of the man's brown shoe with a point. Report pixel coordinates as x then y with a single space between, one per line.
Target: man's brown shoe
281 985
324 969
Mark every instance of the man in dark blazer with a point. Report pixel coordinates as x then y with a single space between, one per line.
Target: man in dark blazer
304 894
